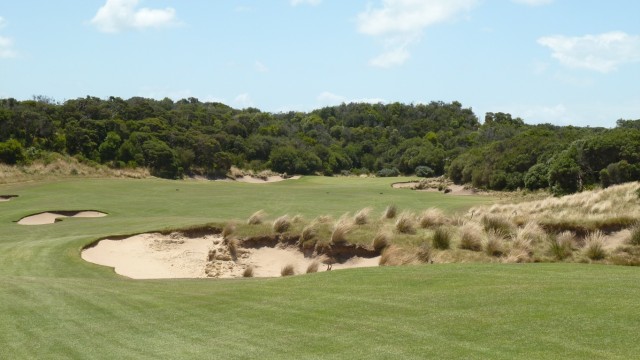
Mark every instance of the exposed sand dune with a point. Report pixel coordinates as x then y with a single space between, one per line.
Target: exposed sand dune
53 216
157 256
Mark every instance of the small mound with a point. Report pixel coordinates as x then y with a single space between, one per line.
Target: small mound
51 217
158 256
7 197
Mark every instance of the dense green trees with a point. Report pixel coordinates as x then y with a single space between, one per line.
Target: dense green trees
191 137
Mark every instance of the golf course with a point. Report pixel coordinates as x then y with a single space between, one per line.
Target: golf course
55 305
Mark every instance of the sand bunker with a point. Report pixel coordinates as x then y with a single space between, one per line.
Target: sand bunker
269 179
51 217
157 256
449 189
7 197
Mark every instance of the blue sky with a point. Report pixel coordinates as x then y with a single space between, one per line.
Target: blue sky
560 61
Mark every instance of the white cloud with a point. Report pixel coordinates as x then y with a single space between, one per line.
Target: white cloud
329 98
243 100
400 23
303 2
533 2
6 48
260 67
3 22
603 52
119 15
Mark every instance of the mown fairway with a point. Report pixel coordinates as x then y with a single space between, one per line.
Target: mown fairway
54 305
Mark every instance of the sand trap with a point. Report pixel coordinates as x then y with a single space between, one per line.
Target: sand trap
157 256
453 189
270 179
7 197
51 217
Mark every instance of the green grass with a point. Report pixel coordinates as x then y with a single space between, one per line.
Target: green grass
55 305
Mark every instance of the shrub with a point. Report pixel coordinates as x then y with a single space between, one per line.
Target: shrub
405 224
390 212
281 224
424 171
432 217
257 218
471 237
441 238
313 267
228 230
288 270
362 216
388 172
381 241
594 246
248 272
634 238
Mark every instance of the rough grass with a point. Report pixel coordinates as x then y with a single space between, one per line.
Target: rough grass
634 237
471 236
362 216
381 240
405 224
432 217
441 239
340 230
390 212
288 270
257 218
594 247
281 224
313 267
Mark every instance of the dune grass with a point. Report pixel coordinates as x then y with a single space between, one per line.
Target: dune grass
55 305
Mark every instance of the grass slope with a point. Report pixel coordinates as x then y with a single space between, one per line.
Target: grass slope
54 305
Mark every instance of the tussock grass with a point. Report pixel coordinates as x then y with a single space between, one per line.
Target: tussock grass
308 233
390 212
340 230
471 236
441 239
381 241
228 230
313 267
498 224
561 245
634 237
395 256
431 218
362 216
288 270
406 223
282 224
248 272
257 218
424 253
494 243
232 244
594 246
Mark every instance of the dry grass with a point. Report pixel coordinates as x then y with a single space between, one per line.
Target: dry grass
248 272
308 233
471 237
594 248
494 244
634 237
424 253
441 239
232 244
431 218
394 256
288 270
340 230
228 230
561 245
313 267
362 216
382 240
406 223
498 224
257 218
390 212
282 224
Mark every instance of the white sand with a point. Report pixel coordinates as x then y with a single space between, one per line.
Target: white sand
50 217
270 179
157 256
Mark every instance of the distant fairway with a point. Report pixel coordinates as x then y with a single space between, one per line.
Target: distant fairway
55 305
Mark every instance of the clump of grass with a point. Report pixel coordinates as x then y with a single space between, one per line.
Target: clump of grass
424 253
432 218
634 237
257 218
248 272
471 237
340 230
323 219
381 241
499 224
441 239
594 246
393 256
494 244
308 233
561 246
232 244
228 230
281 224
531 233
288 270
362 216
313 267
405 223
297 219
390 212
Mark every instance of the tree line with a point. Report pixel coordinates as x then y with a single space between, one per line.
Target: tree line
189 137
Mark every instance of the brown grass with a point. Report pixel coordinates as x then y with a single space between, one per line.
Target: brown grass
390 212
232 244
257 218
441 239
381 241
281 224
405 223
394 256
248 272
431 218
340 230
288 270
471 237
594 246
313 267
228 230
494 244
362 216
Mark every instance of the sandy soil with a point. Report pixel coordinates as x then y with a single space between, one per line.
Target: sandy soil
157 256
270 179
51 217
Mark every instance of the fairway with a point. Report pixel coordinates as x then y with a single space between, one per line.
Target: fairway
55 305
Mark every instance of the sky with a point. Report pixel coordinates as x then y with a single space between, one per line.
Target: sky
566 62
